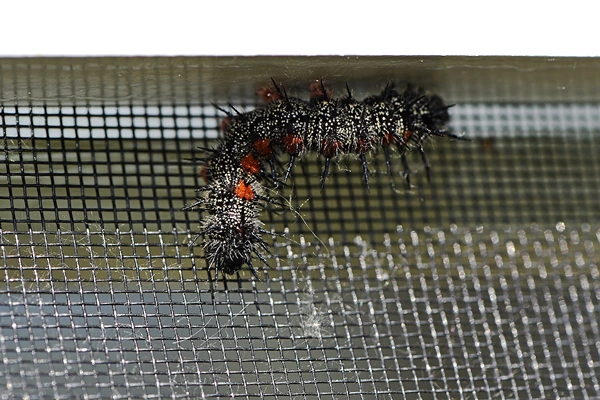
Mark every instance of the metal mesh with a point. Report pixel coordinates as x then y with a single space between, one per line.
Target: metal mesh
483 283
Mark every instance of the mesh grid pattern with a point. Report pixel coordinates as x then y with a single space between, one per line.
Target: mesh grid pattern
483 283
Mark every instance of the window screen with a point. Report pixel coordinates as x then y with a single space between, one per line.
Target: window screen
482 283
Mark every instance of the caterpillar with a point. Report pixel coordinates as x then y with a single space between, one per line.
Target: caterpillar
247 159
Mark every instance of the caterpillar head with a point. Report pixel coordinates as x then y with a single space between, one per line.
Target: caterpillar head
232 236
227 257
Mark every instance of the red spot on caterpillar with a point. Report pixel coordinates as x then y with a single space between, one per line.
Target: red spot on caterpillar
388 139
268 94
250 164
330 148
364 146
204 173
244 191
407 135
225 122
292 144
319 91
263 147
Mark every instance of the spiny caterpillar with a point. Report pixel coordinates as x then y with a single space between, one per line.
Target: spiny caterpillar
253 142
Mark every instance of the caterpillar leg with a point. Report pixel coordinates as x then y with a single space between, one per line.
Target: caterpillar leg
363 160
406 169
425 163
325 172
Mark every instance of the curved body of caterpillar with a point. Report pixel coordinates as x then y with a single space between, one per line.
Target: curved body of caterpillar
253 142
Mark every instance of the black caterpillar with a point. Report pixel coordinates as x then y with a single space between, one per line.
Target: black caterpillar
254 141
